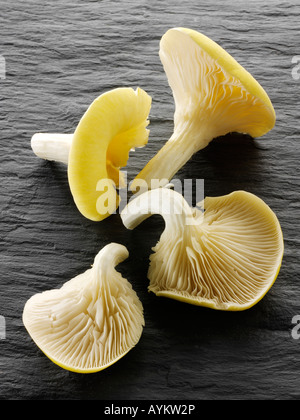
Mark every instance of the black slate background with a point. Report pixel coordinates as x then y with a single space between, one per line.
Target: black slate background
60 55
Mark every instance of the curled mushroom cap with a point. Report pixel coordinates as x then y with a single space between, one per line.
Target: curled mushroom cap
214 96
92 321
225 258
113 125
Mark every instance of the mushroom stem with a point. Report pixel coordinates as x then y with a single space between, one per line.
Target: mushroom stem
177 151
163 201
111 256
54 147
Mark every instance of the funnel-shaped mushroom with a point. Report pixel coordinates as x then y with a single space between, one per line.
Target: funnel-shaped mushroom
92 321
213 96
113 125
226 258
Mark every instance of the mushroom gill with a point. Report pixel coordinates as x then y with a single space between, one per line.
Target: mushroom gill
226 258
92 321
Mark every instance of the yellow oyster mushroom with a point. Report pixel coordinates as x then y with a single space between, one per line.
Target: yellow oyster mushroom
113 125
214 96
92 321
225 258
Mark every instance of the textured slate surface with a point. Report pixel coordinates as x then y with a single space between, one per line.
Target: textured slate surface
59 56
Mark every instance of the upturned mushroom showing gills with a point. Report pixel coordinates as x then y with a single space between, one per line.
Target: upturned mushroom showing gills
114 124
214 96
225 258
92 321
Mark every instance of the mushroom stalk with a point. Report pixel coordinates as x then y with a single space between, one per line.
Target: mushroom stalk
110 257
177 151
53 147
163 201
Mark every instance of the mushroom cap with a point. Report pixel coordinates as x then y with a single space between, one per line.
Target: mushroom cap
92 321
228 262
113 125
225 258
210 85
